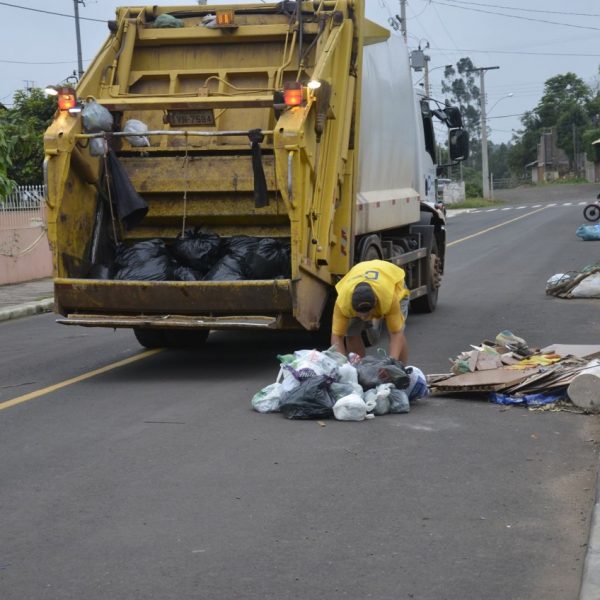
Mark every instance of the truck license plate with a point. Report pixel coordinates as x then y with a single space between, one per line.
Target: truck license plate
178 118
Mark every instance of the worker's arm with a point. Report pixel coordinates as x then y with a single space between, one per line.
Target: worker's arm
338 342
398 346
338 329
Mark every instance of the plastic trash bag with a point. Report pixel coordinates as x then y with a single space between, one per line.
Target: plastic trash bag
347 373
165 21
135 126
209 21
588 287
375 370
588 232
309 400
398 401
380 397
270 259
197 250
350 408
98 147
339 390
183 273
228 268
417 387
529 399
268 399
557 279
145 261
96 118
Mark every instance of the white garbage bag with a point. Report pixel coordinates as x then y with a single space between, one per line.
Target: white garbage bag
96 118
135 126
350 408
268 399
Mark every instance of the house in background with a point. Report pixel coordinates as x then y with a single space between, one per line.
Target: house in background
552 162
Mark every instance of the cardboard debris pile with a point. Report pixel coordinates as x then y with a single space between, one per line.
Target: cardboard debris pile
513 373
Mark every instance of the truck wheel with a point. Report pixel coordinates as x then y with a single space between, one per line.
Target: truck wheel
181 338
150 338
428 302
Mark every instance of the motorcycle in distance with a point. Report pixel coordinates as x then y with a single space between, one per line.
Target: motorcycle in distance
592 211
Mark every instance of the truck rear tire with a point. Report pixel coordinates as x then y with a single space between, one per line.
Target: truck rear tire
150 338
174 338
428 302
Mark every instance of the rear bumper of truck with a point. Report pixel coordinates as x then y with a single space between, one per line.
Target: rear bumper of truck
176 305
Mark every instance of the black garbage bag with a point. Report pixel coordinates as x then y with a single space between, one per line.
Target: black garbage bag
239 245
228 268
183 273
154 269
148 260
197 249
139 252
269 260
309 400
375 370
131 207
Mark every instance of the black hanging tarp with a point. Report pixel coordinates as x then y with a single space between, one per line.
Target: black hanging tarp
131 207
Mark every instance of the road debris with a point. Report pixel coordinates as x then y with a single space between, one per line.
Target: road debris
317 385
512 373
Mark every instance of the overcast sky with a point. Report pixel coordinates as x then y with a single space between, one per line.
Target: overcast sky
530 40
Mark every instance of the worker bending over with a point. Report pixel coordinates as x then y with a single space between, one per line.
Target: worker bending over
373 289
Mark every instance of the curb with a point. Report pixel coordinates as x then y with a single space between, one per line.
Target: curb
590 581
26 309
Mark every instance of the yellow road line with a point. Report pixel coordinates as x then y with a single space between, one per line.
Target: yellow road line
495 227
82 377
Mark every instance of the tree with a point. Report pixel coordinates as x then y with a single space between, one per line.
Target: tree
22 128
569 107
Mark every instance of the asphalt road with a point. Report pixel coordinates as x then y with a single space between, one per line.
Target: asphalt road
156 480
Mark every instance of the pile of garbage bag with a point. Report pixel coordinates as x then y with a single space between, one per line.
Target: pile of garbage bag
198 255
315 385
576 284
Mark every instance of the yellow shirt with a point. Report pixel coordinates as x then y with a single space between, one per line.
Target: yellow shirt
387 281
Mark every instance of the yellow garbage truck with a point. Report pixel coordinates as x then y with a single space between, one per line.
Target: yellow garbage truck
295 122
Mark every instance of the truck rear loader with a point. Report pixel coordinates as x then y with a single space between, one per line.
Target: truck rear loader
296 121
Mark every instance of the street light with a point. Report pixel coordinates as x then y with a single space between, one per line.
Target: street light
509 95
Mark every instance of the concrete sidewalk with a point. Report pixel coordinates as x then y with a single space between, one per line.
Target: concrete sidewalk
24 299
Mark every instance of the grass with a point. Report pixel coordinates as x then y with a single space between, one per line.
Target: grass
475 203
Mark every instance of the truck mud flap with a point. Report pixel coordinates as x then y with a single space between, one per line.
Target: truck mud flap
214 304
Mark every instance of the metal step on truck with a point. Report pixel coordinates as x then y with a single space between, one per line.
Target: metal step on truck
292 121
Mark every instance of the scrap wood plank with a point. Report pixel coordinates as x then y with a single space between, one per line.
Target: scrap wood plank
484 381
579 350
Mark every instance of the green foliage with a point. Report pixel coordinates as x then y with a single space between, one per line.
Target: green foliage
570 108
22 128
473 189
6 183
591 135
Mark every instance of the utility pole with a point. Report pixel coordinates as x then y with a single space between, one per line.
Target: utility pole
403 19
484 147
76 4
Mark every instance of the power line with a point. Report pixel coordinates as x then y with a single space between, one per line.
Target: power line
24 62
518 52
47 12
489 12
530 10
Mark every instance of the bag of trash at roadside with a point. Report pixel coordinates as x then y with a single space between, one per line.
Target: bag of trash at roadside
417 388
310 363
350 408
310 399
588 232
375 370
268 399
96 118
399 401
588 287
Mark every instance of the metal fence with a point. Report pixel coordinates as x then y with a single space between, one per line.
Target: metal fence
24 208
